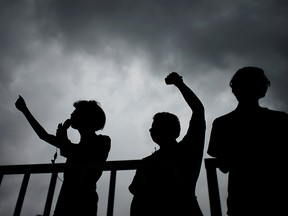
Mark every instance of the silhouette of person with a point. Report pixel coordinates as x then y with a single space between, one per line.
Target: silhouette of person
78 194
249 144
168 186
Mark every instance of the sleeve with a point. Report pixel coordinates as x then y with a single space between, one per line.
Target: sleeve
107 147
216 147
67 149
214 139
98 151
138 185
219 138
135 183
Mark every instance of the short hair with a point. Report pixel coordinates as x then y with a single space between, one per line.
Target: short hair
169 123
251 78
91 113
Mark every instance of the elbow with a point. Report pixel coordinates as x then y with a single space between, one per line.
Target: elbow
200 110
201 107
198 107
44 136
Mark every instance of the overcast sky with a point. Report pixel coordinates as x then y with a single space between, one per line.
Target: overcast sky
55 52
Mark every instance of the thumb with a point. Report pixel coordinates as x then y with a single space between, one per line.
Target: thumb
67 123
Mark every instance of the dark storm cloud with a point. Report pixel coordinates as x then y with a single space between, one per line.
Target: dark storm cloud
208 30
196 34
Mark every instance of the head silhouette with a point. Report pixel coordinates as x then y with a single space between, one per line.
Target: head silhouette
88 115
165 127
249 83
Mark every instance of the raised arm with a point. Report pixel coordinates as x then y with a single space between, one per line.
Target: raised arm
195 135
192 100
40 131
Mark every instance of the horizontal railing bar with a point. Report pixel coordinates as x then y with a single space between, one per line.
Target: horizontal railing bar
61 167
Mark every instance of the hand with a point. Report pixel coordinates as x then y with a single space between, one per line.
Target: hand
173 78
67 124
20 104
61 132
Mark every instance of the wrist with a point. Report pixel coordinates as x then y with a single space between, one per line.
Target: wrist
179 83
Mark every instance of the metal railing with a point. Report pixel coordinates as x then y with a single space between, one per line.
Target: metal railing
113 167
211 165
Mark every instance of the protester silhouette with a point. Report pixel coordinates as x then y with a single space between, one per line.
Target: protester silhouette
249 143
169 189
78 194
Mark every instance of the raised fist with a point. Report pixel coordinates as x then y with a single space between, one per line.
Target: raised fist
20 104
173 78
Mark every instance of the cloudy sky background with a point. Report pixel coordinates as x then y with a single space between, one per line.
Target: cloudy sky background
119 52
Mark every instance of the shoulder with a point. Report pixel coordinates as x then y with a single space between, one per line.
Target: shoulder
226 118
148 158
105 141
151 158
275 112
104 138
275 116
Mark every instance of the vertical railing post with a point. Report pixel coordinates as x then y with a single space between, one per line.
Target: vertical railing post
22 193
111 196
1 177
50 194
213 188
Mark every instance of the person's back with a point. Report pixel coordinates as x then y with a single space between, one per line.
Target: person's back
249 144
252 150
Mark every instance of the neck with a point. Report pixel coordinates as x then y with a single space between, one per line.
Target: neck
86 133
166 144
248 105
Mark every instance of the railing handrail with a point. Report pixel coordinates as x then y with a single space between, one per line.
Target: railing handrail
61 167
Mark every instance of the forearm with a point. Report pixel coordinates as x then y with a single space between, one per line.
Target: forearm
190 97
39 130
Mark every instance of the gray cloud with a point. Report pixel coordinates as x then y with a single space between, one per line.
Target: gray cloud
201 35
